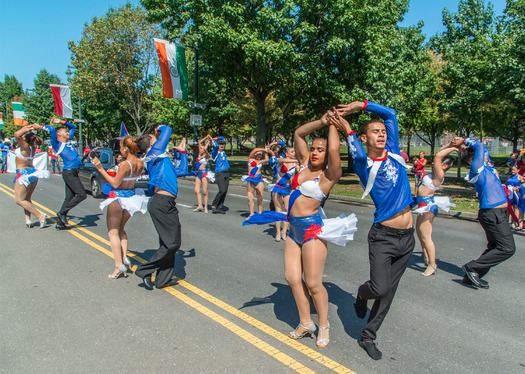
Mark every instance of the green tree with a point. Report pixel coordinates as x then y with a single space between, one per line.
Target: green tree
39 102
468 51
114 61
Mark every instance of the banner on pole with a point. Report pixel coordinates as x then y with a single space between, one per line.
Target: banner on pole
19 114
62 100
172 62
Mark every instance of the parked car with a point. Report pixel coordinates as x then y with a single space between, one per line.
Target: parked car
93 181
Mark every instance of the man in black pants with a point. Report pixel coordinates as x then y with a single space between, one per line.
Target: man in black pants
163 188
75 192
222 174
391 238
492 214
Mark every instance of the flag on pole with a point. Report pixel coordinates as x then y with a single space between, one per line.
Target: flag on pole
123 130
19 114
172 61
62 99
1 122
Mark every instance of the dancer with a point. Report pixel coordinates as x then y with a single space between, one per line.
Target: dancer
4 148
491 214
391 237
163 189
513 187
305 253
75 192
26 175
428 205
287 167
254 180
222 173
419 169
201 179
123 201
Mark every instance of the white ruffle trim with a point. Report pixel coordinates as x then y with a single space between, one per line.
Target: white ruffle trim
339 230
133 204
442 202
24 179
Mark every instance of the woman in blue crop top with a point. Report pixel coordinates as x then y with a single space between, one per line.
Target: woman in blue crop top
26 175
201 180
123 200
254 180
305 254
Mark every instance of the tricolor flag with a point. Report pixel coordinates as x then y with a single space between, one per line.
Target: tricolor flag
123 130
19 114
62 99
1 122
172 61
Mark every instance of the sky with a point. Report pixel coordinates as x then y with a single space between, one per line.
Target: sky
34 33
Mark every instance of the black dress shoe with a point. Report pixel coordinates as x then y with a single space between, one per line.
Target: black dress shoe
360 307
171 282
370 347
474 278
148 284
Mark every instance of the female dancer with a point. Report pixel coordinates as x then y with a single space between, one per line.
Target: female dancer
282 188
428 205
305 254
254 179
123 201
26 175
201 179
513 186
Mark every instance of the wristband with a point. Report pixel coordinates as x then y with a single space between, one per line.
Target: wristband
365 104
351 132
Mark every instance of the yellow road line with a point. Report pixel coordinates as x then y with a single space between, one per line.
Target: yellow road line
288 361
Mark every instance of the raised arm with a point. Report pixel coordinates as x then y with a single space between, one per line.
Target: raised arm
334 171
300 144
163 138
437 168
20 134
255 150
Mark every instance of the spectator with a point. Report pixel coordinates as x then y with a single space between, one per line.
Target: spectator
403 154
5 147
419 168
53 158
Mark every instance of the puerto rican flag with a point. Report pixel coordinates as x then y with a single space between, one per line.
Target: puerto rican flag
62 99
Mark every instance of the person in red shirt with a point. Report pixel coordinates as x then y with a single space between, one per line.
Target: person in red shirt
419 168
55 164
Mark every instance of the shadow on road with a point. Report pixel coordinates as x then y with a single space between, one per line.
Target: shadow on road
89 220
180 260
285 310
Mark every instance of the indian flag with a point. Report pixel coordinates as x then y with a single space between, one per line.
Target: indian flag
62 99
19 114
172 61
1 122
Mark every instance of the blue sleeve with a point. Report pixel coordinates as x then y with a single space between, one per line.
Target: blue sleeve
478 162
53 136
215 150
72 128
359 156
388 115
159 147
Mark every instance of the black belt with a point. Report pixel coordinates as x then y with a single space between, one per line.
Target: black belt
400 232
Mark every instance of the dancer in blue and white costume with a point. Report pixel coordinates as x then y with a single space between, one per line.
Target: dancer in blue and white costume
391 240
26 175
254 180
123 201
163 189
514 201
75 193
428 204
202 175
287 167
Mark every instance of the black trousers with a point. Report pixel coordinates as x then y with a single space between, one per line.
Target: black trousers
222 179
501 245
75 192
389 251
165 217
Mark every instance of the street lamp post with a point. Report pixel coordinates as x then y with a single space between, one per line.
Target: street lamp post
80 121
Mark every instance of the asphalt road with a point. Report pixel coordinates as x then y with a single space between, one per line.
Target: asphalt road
60 313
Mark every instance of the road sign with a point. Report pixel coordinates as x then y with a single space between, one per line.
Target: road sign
197 105
195 119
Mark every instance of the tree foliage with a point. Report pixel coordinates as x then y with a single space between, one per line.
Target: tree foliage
39 102
114 68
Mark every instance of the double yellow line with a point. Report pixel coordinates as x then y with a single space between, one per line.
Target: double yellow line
87 237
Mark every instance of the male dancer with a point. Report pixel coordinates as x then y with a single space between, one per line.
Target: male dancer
222 174
75 192
391 237
491 215
163 189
